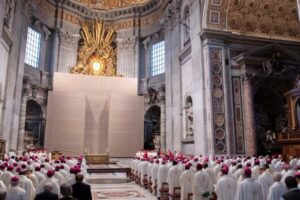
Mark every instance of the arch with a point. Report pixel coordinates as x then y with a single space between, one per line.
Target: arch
152 128
270 113
34 125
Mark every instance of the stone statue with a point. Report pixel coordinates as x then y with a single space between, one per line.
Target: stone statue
9 11
270 136
189 119
281 124
153 96
156 141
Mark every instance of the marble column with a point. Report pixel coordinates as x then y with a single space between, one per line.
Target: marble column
163 126
249 116
54 54
126 62
21 131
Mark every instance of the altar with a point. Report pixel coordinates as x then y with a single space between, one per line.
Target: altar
97 158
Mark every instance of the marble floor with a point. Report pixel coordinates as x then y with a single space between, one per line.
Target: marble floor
115 186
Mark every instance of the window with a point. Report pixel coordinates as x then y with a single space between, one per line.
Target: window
158 58
32 53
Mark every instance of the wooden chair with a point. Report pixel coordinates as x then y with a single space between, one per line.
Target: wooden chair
164 191
190 196
176 193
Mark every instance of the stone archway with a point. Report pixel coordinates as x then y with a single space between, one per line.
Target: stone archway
270 115
34 125
152 128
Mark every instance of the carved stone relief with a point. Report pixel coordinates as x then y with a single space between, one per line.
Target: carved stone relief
219 128
171 15
238 115
9 13
68 40
126 43
264 18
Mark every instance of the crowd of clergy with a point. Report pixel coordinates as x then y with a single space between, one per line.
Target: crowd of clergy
35 176
185 177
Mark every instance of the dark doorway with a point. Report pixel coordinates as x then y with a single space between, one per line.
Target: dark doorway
152 128
34 126
270 117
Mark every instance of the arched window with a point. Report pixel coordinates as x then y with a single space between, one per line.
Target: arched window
158 58
33 48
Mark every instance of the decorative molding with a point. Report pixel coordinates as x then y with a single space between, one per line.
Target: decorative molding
69 40
272 19
214 17
218 101
75 13
9 10
111 5
216 2
247 79
126 44
238 115
171 15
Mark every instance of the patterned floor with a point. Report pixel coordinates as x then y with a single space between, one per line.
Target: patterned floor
120 192
115 186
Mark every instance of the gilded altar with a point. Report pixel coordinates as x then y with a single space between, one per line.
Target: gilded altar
97 158
97 54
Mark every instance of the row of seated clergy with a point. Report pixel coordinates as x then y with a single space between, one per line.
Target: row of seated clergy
234 178
172 181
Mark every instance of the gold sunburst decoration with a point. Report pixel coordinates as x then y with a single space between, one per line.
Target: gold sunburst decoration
96 52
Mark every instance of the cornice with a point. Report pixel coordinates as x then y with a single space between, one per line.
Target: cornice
107 15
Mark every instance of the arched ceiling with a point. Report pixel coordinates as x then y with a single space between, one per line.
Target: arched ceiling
274 19
111 4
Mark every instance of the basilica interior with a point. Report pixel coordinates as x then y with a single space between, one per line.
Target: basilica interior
112 77
217 76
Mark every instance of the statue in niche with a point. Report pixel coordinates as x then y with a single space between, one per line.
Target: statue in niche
153 95
281 124
189 118
186 23
274 65
156 141
9 10
270 136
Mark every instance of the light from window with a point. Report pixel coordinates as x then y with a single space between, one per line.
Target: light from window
158 58
33 44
